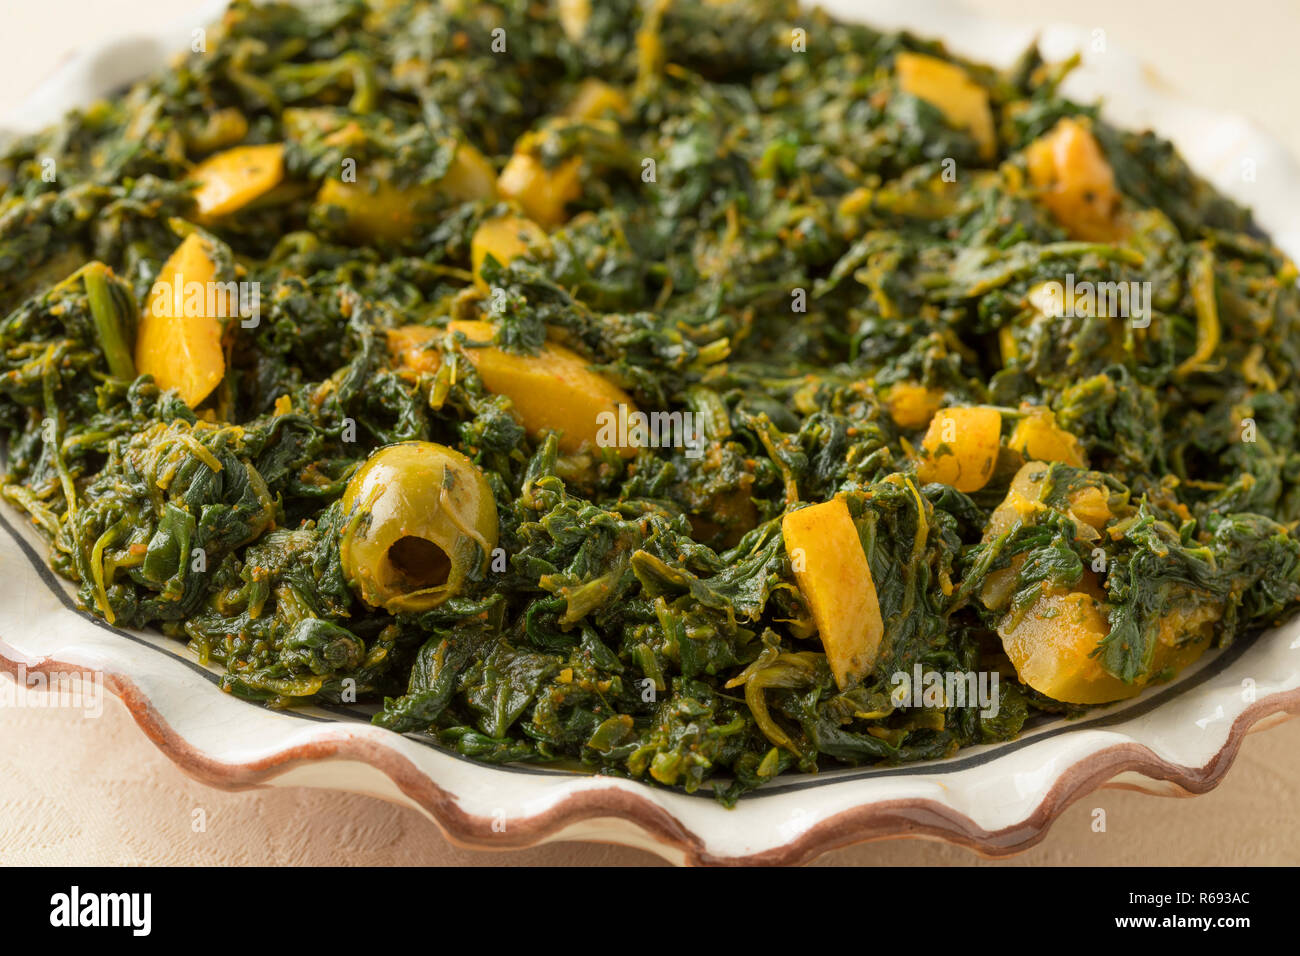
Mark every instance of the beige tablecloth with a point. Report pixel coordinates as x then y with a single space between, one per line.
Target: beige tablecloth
96 791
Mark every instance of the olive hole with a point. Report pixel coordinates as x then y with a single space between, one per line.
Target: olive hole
420 562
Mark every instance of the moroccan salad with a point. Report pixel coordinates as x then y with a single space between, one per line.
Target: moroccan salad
691 391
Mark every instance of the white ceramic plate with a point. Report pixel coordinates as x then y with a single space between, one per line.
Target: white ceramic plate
1174 739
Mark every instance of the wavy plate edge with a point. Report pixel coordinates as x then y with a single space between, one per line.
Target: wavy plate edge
672 839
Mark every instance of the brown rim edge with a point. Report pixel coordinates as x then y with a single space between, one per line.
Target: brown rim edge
888 819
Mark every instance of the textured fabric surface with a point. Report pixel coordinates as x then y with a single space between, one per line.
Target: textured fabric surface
96 791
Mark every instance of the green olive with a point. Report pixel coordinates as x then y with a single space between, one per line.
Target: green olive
418 518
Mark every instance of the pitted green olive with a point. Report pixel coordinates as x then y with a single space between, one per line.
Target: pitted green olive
418 518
